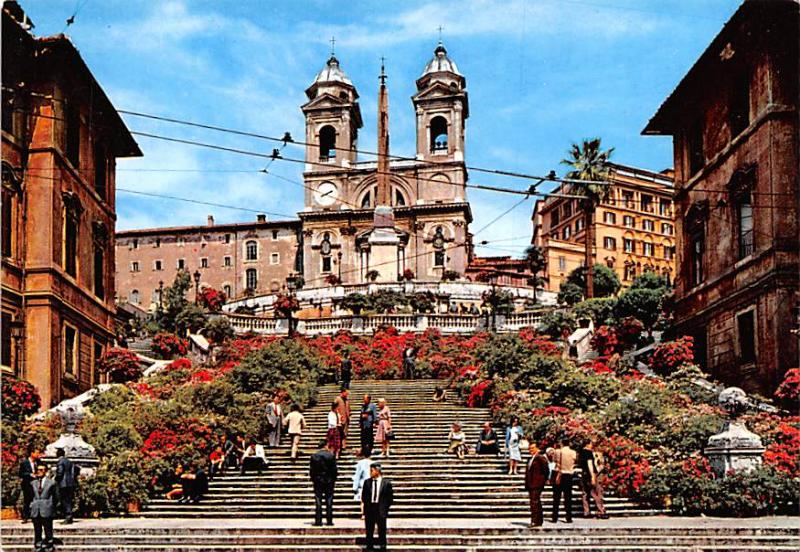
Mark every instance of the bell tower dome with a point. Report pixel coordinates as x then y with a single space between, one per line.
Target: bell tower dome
333 118
442 109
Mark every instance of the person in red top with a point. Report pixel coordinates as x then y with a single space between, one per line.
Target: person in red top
217 462
536 476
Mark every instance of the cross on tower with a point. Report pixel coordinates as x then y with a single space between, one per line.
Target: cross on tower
440 33
382 78
333 45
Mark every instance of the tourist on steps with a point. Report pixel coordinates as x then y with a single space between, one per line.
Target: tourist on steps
334 435
458 441
346 371
195 485
366 423
591 464
513 438
67 480
43 508
27 471
361 474
487 441
175 483
439 394
536 476
565 458
254 457
377 497
295 423
323 473
343 409
275 421
216 462
409 363
385 433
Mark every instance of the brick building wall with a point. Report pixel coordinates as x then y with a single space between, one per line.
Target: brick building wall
733 119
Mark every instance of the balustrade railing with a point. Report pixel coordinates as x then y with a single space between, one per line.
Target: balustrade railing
446 323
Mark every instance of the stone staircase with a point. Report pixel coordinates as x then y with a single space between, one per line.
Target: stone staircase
672 537
427 482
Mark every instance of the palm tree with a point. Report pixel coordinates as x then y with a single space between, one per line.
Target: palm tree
534 256
590 172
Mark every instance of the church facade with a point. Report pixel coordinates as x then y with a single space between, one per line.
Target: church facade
383 217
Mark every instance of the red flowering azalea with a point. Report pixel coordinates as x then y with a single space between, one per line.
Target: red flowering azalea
408 275
479 394
20 398
697 466
606 341
167 345
333 280
285 305
121 365
179 364
202 376
668 357
784 453
212 299
627 466
598 367
143 389
161 442
789 389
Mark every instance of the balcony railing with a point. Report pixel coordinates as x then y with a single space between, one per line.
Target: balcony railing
360 325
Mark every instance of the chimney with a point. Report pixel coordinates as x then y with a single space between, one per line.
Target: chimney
211 220
261 218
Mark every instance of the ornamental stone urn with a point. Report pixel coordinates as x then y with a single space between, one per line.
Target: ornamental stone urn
735 448
75 448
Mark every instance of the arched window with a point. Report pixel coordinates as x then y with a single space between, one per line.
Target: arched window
226 289
327 143
438 134
134 297
251 278
399 198
251 250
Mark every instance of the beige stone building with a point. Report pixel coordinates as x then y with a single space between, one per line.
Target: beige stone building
635 228
247 258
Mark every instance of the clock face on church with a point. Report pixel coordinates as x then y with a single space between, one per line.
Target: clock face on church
326 194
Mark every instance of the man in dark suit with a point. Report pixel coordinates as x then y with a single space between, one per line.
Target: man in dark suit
376 496
367 423
346 371
536 476
67 479
195 485
43 509
27 471
323 472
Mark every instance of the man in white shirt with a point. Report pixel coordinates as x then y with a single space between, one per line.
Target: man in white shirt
377 497
254 455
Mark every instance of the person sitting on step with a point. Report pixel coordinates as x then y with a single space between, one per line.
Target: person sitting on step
254 457
458 441
216 462
487 442
195 485
439 394
175 483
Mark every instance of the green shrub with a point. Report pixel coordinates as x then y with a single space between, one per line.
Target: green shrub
502 354
115 438
558 322
601 310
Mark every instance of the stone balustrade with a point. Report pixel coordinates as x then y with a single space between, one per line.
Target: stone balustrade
446 323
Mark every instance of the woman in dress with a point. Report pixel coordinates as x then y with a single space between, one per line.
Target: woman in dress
361 475
384 427
457 441
334 435
513 437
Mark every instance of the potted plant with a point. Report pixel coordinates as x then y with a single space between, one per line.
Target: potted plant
373 275
333 280
450 275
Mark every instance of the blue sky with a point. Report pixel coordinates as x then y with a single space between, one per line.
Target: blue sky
540 74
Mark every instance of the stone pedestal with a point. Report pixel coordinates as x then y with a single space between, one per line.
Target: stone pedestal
735 447
75 448
383 245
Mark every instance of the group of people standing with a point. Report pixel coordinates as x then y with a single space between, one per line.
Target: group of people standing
45 492
557 466
375 424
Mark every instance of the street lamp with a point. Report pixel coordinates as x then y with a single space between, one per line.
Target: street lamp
339 258
197 276
493 298
160 295
18 334
291 285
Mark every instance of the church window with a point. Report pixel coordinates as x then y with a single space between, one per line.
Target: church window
326 263
327 143
438 258
399 199
438 134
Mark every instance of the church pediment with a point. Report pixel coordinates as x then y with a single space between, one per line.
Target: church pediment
438 90
326 101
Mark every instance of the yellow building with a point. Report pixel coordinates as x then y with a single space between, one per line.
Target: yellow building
635 229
